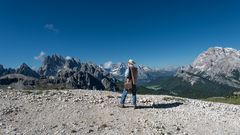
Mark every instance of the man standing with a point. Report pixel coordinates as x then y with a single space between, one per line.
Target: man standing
131 75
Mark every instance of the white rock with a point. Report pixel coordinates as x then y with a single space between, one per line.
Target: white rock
100 101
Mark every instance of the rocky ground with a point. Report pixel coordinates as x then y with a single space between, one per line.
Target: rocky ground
96 112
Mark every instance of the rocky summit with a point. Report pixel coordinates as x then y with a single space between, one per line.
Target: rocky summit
221 65
83 112
59 73
53 64
24 69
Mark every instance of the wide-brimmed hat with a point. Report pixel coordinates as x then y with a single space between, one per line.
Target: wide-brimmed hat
131 61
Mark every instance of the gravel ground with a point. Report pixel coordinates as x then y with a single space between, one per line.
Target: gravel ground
96 112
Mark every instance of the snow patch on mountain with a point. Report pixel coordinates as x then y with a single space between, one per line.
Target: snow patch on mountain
108 65
145 73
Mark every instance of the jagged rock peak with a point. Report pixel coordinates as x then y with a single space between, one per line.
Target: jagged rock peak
24 69
53 64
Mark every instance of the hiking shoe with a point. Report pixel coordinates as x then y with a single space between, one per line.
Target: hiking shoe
121 106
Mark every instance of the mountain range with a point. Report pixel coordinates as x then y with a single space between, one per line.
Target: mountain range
58 72
215 72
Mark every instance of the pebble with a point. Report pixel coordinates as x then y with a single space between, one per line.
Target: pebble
178 129
110 96
54 126
90 131
168 133
161 133
73 131
76 100
65 92
65 100
100 101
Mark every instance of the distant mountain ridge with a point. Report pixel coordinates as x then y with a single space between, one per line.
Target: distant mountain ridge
4 71
145 73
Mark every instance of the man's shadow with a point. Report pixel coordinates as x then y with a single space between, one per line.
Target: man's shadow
161 106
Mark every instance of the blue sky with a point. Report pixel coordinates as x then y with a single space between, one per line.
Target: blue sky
153 32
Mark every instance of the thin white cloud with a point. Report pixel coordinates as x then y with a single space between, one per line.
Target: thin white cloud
51 27
41 56
107 65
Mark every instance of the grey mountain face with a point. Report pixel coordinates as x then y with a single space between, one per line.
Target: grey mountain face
145 74
87 76
53 64
221 65
24 69
74 74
